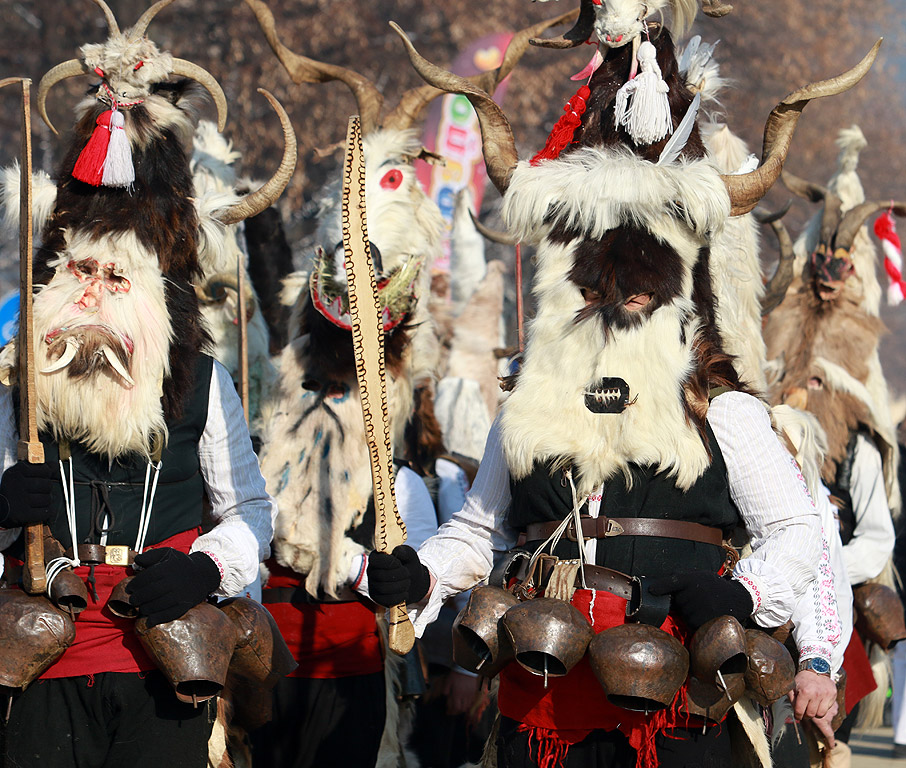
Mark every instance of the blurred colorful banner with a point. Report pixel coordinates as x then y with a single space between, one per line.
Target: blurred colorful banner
451 131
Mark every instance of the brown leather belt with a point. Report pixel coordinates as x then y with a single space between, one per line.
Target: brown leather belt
98 554
607 527
596 577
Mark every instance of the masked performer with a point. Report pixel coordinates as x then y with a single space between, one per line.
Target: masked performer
143 434
627 443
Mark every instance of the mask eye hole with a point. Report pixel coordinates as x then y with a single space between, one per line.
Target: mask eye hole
815 383
392 179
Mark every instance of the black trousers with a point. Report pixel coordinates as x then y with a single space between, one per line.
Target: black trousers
610 749
108 720
329 723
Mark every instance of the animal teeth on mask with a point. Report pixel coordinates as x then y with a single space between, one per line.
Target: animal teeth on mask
117 366
72 347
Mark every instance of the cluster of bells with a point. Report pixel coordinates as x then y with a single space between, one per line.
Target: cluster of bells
641 667
236 638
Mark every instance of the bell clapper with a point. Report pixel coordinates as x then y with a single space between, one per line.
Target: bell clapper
796 730
194 700
723 684
545 672
484 658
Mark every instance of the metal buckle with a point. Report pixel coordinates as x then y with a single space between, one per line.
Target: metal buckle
117 554
613 528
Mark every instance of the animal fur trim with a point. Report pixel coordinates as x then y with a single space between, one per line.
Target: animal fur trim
594 190
97 407
43 198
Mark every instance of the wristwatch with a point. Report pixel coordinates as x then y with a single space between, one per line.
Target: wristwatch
816 665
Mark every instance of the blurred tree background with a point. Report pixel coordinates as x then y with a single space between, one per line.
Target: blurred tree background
767 49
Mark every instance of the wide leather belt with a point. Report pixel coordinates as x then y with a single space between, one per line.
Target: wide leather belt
98 554
296 596
606 527
600 578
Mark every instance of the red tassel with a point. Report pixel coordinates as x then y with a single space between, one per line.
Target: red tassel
90 165
563 131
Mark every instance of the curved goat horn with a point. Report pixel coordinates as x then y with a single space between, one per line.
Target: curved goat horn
71 68
491 234
815 193
776 288
747 189
112 27
413 101
184 68
807 190
301 69
145 19
715 8
69 353
855 217
266 195
583 29
498 145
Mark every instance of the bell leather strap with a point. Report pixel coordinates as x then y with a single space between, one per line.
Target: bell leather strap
606 527
641 606
98 554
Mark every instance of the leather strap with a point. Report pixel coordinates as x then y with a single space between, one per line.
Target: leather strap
98 554
296 596
596 577
606 527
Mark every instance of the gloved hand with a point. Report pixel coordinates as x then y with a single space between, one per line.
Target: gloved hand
700 596
171 583
398 577
25 490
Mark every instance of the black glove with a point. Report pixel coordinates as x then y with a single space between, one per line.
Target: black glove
700 596
25 490
397 578
171 583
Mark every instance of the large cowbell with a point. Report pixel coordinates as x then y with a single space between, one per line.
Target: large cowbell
479 644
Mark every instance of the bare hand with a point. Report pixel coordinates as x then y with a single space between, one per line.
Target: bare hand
823 725
813 695
461 692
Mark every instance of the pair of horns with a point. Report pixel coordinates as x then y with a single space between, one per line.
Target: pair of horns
251 204
585 24
72 348
775 289
837 228
368 99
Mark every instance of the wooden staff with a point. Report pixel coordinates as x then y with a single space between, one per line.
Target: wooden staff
243 336
30 449
368 345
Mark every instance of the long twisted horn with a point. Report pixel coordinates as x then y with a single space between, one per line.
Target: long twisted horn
492 234
776 288
855 217
747 189
184 68
414 101
305 70
71 68
112 27
145 19
498 145
583 29
267 194
715 8
808 190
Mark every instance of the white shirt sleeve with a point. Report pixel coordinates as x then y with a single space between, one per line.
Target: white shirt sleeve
461 554
823 616
872 544
771 495
242 509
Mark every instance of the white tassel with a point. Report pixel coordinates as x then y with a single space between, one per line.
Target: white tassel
118 170
647 118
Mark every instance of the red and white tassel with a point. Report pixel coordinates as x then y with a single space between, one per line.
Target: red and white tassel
886 230
107 157
118 169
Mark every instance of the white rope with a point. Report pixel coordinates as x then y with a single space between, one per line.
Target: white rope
69 498
147 503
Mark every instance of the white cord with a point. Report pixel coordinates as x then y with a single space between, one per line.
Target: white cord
69 497
147 503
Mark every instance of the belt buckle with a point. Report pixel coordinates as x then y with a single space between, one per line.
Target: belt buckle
117 554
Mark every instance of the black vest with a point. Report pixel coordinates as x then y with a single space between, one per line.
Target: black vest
115 491
841 489
544 496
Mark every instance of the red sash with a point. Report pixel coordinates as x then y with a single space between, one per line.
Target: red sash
860 680
328 640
